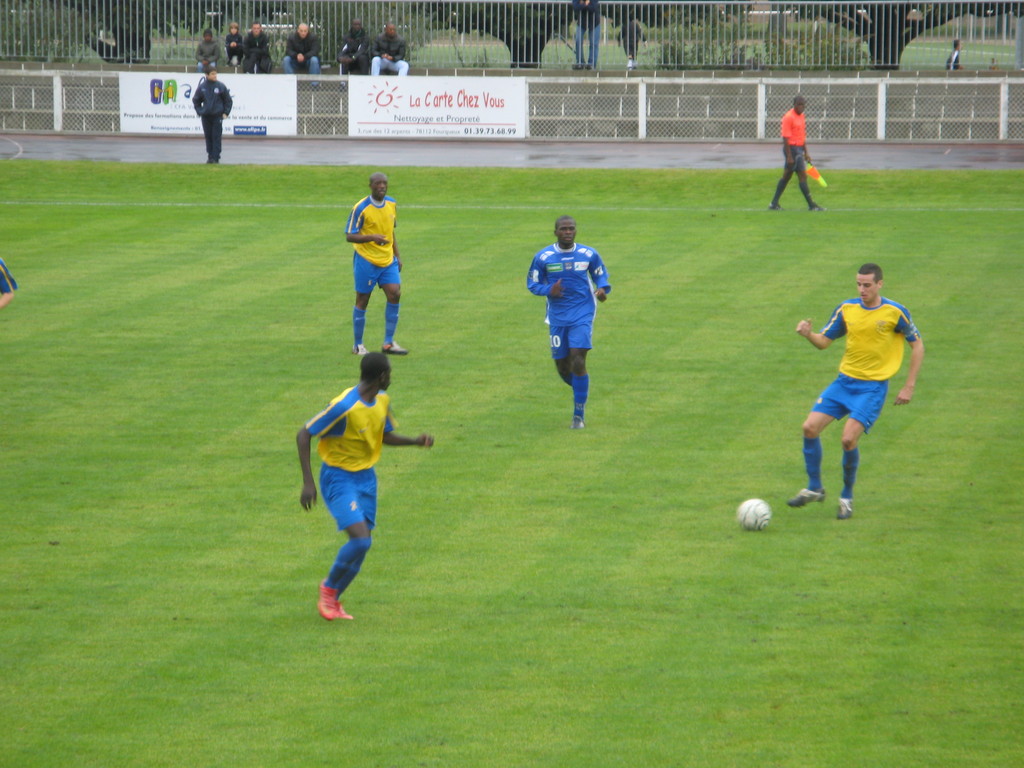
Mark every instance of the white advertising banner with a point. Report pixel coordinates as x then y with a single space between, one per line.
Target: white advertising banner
161 102
437 107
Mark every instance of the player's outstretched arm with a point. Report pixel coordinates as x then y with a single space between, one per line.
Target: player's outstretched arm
424 441
916 358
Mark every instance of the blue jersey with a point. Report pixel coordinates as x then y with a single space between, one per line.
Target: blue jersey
7 282
581 270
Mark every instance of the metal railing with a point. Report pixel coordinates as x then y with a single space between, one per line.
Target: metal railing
687 107
749 36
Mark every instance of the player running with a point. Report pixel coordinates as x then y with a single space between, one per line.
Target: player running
573 278
351 431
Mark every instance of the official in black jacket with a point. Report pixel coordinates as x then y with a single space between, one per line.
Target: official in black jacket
212 101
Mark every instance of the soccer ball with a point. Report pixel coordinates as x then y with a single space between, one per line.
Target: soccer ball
754 514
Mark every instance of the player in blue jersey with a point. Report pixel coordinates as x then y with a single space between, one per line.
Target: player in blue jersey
351 431
875 329
371 229
573 278
8 285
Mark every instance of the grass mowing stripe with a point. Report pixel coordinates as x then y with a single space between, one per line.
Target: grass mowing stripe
343 211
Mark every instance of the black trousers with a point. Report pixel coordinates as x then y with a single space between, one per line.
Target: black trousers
255 63
213 129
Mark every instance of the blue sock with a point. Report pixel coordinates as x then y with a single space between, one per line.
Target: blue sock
347 564
812 460
580 390
358 324
390 322
851 460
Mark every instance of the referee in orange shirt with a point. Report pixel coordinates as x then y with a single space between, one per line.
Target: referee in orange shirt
794 146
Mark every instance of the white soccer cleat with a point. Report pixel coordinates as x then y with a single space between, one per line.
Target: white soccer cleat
359 349
845 509
806 496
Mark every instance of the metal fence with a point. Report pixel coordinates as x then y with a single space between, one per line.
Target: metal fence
748 36
684 107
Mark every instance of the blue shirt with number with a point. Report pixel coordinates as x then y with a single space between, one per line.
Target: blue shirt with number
581 271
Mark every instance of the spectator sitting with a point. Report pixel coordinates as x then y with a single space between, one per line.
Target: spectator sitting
354 56
233 45
256 49
302 52
206 53
389 53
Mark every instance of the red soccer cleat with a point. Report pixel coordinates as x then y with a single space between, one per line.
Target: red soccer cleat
328 604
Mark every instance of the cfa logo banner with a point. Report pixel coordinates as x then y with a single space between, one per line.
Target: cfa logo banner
165 91
161 103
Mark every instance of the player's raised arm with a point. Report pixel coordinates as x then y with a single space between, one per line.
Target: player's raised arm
819 340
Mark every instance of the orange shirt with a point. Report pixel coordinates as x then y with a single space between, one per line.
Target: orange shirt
794 128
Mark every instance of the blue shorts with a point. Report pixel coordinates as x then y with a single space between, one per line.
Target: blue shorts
861 400
566 337
367 275
351 497
799 161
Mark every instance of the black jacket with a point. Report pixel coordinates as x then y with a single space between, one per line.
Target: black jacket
392 46
212 98
308 47
256 46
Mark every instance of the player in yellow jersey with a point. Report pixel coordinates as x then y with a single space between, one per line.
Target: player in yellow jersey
371 230
875 329
8 285
351 431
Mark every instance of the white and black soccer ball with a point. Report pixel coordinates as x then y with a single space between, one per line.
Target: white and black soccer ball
754 514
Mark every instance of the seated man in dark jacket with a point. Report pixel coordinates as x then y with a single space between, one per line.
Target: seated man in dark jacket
389 53
354 56
303 52
256 51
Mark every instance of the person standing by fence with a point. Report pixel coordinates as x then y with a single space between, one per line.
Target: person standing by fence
212 101
631 35
588 23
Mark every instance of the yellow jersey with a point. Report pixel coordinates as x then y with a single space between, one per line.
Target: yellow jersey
351 431
371 218
875 336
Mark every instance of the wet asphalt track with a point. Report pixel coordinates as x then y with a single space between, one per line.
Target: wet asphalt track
507 154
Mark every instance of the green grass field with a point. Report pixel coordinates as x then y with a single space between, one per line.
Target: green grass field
535 596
